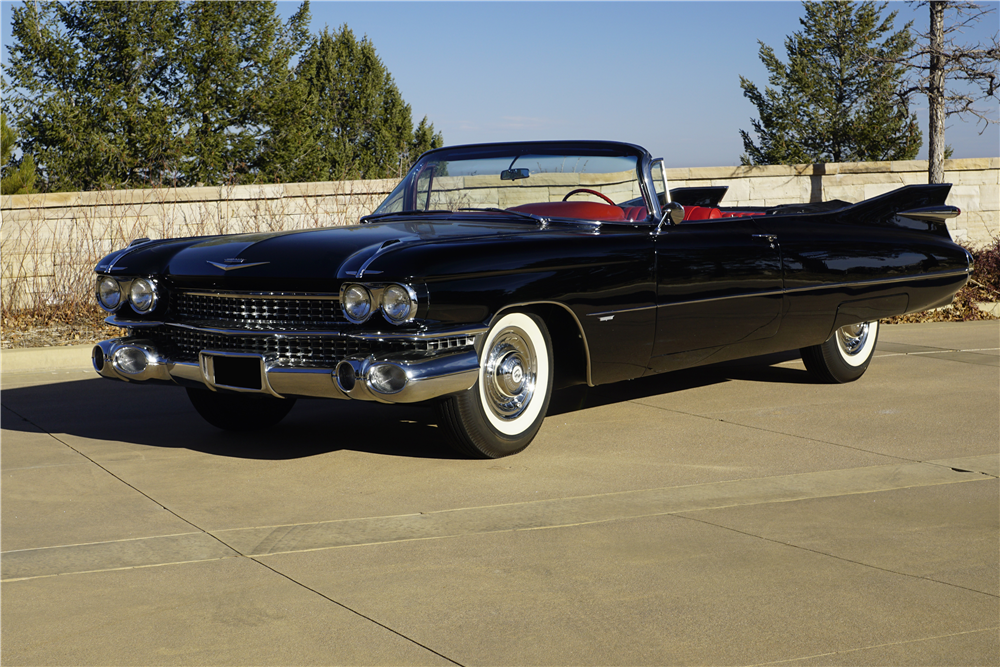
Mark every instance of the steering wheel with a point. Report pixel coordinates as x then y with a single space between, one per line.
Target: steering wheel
589 192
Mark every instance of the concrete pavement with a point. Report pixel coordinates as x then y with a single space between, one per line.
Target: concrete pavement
737 514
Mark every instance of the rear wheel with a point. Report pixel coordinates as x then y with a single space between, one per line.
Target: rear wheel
501 414
239 412
845 356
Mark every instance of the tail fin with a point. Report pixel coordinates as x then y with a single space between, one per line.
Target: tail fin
918 207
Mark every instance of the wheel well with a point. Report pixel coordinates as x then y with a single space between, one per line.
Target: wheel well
569 350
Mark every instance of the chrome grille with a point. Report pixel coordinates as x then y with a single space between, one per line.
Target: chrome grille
256 312
286 351
446 343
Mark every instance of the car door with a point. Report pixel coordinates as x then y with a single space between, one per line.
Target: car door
718 283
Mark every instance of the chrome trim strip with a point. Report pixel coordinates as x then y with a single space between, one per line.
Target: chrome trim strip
722 298
130 324
316 296
794 290
231 267
382 248
421 336
881 281
623 310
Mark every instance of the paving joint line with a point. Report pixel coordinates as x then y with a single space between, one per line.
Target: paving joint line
805 437
353 611
201 530
681 515
767 430
867 648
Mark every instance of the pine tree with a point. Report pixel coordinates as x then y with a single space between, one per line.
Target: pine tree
424 139
92 91
837 99
360 125
235 68
134 94
18 175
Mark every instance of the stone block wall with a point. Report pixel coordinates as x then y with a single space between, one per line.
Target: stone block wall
975 187
49 243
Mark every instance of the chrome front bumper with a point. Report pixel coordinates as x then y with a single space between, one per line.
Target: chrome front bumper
405 377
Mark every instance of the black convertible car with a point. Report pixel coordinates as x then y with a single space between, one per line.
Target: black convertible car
494 273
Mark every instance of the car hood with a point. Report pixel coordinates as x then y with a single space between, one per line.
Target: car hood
336 252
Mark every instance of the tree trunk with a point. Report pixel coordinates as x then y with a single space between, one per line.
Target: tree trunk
935 95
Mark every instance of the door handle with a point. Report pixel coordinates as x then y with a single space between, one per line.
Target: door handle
770 238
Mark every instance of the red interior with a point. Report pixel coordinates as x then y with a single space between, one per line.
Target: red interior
584 210
708 213
634 213
587 210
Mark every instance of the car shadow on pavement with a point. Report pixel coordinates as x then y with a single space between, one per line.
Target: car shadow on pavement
161 416
755 369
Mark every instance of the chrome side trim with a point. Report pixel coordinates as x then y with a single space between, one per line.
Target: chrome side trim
622 310
794 290
881 281
722 298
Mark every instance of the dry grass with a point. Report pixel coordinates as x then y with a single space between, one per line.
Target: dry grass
983 287
48 254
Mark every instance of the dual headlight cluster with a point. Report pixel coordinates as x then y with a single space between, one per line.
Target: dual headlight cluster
398 303
141 293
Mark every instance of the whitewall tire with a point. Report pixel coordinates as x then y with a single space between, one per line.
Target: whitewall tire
845 356
501 414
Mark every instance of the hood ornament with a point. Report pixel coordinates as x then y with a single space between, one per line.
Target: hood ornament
235 263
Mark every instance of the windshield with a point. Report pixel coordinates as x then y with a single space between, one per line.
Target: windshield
538 184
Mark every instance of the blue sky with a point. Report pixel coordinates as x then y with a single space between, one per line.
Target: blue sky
664 75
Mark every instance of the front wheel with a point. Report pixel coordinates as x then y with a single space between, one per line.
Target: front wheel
845 356
501 414
239 412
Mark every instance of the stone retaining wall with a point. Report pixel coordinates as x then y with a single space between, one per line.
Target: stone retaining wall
975 187
49 243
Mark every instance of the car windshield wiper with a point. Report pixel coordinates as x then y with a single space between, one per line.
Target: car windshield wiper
520 214
375 216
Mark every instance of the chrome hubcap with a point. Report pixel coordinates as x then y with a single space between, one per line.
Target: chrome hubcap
509 374
852 338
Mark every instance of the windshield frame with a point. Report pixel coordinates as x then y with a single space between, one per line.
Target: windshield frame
406 192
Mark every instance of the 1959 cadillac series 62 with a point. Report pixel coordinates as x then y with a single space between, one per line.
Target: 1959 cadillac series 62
495 273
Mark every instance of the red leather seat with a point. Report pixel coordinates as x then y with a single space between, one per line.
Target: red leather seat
634 213
701 213
582 210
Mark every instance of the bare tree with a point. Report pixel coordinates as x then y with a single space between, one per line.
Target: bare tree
955 77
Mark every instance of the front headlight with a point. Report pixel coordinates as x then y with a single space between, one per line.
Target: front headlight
142 295
399 303
109 293
357 303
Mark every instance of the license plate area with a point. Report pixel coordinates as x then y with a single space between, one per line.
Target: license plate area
234 371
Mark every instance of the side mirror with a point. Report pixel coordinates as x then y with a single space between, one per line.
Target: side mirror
673 214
